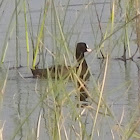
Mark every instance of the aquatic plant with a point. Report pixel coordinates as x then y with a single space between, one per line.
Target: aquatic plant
61 115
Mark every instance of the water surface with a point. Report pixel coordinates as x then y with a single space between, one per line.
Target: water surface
22 94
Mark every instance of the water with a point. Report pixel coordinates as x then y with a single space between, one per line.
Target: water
121 93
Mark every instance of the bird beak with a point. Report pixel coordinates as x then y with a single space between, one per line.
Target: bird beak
89 50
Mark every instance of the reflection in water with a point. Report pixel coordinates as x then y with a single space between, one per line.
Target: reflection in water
18 103
131 109
26 98
119 96
82 90
138 116
139 91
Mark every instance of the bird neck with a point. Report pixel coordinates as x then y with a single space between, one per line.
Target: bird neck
82 62
79 56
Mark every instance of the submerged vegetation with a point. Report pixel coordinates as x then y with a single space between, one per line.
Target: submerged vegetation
46 36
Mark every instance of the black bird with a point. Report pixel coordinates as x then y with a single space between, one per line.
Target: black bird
64 71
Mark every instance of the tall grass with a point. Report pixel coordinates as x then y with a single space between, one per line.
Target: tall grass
26 33
66 117
10 30
3 83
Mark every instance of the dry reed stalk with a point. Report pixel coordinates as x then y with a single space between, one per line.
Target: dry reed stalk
137 6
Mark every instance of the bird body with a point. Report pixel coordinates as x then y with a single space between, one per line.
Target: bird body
64 71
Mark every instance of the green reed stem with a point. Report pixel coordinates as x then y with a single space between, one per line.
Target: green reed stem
17 34
26 33
40 35
100 99
9 31
61 32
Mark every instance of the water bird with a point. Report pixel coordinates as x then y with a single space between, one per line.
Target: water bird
64 71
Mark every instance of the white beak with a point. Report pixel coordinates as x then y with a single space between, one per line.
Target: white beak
88 49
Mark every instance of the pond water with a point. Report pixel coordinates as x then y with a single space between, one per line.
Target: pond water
23 93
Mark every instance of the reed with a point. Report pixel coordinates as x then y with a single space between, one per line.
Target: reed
1 131
10 29
63 116
26 33
39 37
